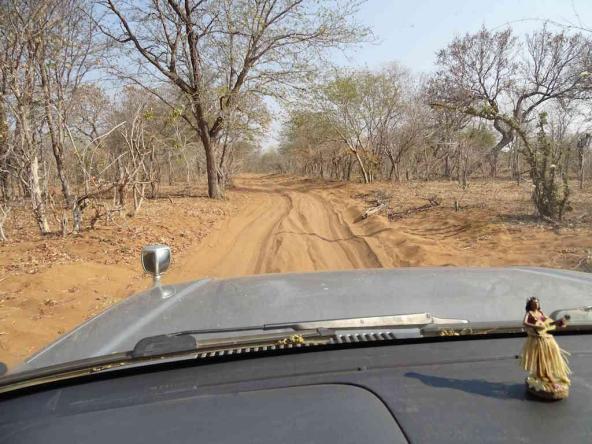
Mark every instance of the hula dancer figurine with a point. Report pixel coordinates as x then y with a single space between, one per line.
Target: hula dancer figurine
545 362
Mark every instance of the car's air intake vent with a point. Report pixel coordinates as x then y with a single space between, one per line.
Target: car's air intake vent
363 337
339 339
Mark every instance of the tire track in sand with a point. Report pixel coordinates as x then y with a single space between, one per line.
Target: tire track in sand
282 228
324 241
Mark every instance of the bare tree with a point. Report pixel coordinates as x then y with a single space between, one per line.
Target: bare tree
213 51
403 138
19 74
478 70
4 142
67 47
311 146
487 75
480 77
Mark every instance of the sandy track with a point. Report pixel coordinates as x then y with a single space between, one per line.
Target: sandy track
284 227
296 225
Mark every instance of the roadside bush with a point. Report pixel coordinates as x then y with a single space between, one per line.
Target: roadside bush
549 174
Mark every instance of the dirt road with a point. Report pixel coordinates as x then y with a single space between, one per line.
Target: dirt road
285 226
293 224
270 224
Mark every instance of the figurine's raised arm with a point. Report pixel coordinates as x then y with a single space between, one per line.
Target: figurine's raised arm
536 324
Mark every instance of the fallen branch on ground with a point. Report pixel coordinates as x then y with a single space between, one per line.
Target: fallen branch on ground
373 210
433 202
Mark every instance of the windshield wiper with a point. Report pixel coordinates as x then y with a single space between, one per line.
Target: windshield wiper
580 319
317 331
413 320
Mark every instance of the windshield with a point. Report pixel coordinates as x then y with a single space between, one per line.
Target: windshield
430 157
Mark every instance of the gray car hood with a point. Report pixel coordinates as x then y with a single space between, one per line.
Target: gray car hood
475 294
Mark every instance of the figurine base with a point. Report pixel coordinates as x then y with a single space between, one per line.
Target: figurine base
547 391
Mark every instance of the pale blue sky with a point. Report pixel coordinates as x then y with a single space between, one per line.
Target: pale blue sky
412 31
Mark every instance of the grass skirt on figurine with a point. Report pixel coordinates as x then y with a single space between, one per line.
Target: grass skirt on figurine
546 365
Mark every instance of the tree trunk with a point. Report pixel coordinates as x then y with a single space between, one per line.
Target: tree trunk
57 145
349 169
581 167
493 160
214 190
121 185
4 150
223 171
507 137
517 164
187 169
170 166
37 203
582 145
35 186
138 198
364 173
463 172
447 173
77 209
4 210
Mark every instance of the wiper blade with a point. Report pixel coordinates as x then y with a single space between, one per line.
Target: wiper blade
322 330
493 327
580 319
413 320
153 350
186 342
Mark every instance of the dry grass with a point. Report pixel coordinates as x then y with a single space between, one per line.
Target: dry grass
494 220
117 241
509 201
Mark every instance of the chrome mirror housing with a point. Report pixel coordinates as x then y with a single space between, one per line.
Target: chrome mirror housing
156 260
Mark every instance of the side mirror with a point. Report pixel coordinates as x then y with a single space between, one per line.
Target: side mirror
156 260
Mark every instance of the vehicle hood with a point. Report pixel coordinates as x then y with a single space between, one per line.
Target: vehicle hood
475 294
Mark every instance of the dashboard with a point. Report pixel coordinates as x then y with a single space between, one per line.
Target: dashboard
459 390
